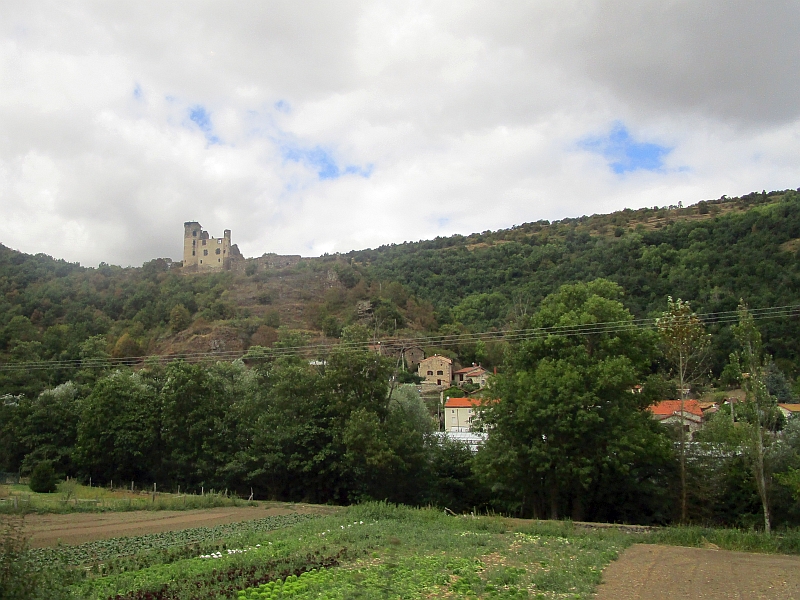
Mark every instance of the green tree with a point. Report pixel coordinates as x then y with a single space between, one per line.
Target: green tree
118 434
566 423
179 318
685 344
760 404
43 478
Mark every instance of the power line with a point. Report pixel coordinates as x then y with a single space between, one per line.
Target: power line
508 335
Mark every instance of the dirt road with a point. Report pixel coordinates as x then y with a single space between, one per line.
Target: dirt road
659 572
76 528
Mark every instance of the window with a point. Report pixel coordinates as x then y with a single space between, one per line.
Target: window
217 250
204 242
194 242
430 372
205 252
201 261
219 260
192 252
453 411
440 372
194 234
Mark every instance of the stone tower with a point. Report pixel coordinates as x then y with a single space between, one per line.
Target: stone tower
204 253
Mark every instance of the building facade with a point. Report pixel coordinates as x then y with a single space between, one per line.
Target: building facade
202 252
436 370
475 374
459 413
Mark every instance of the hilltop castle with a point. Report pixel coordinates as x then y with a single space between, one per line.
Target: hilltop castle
204 253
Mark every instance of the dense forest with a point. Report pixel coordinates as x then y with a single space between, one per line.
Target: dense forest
712 254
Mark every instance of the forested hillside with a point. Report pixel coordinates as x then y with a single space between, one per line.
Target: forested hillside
712 254
567 435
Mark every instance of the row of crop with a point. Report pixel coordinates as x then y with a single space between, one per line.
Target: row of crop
411 554
136 552
279 554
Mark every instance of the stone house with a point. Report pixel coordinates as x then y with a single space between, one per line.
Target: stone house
475 374
436 370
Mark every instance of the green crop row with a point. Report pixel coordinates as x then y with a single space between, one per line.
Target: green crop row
160 547
381 551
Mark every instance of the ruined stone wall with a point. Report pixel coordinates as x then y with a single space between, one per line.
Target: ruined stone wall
201 252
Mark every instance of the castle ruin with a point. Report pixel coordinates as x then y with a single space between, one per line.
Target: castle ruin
202 252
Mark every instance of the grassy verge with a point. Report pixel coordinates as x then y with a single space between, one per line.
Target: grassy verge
19 499
781 542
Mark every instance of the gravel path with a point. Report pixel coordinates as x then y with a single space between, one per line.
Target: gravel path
659 572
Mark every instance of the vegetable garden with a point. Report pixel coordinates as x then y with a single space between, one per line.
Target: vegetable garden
368 551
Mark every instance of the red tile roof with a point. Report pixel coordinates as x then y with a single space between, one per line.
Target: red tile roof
462 402
667 408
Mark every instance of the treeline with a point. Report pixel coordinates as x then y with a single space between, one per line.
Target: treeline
332 432
567 436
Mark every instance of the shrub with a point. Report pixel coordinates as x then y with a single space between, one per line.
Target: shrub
20 577
43 478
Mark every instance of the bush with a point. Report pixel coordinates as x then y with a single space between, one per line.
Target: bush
20 577
43 478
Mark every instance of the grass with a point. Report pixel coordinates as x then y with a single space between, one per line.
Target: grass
781 542
19 499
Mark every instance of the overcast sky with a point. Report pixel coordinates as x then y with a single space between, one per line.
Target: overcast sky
312 127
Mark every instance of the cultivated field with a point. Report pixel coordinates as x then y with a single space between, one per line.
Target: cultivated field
76 528
380 551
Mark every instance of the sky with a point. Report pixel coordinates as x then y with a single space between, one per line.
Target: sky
313 127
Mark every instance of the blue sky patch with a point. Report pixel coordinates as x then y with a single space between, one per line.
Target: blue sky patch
323 162
137 92
624 154
283 106
202 118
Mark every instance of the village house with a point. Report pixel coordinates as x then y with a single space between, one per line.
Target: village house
669 413
460 412
789 410
475 374
436 370
409 356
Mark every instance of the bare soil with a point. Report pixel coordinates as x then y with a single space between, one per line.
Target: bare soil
77 528
655 572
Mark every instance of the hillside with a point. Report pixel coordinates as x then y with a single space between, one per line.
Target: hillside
711 253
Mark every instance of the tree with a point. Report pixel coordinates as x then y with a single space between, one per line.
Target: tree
686 344
761 405
566 422
43 478
179 318
118 433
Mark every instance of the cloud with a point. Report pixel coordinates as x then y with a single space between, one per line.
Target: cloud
326 127
624 153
